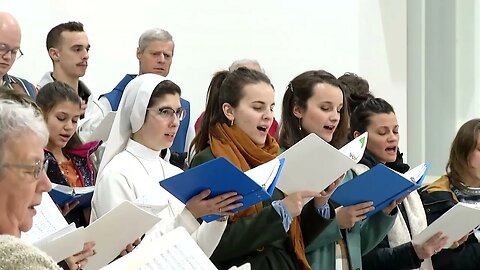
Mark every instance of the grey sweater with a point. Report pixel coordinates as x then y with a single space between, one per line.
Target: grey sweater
17 254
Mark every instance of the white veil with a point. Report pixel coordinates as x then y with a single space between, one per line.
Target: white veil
130 115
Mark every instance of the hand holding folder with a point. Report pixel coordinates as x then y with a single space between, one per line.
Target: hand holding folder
313 164
220 177
62 195
457 222
381 185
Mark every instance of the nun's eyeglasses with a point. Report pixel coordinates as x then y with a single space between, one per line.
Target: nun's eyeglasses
169 113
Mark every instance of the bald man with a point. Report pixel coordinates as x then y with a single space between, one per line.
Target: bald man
10 39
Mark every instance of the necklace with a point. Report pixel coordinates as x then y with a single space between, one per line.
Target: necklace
139 161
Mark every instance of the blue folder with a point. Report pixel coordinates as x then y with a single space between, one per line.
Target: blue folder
220 176
380 184
62 198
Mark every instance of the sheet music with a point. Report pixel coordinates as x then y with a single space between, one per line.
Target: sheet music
73 190
51 233
47 221
448 223
416 173
115 230
264 174
313 164
175 250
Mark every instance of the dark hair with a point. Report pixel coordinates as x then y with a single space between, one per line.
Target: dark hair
225 87
357 90
22 98
164 88
54 93
360 117
55 34
463 145
298 92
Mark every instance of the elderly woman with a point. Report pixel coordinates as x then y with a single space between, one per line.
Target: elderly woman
23 135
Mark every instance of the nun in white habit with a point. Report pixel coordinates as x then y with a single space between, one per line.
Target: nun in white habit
146 122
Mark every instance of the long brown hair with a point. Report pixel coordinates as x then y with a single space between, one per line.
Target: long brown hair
225 87
298 92
462 147
54 93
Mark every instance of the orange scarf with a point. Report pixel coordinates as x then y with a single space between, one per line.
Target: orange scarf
233 144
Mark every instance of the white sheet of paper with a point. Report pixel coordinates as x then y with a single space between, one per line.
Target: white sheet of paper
73 190
448 223
313 164
246 266
115 230
175 250
47 221
102 132
416 173
64 243
264 174
51 233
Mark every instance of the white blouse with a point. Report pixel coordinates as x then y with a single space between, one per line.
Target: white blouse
135 173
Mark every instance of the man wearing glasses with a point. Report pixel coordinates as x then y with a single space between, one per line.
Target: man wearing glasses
10 38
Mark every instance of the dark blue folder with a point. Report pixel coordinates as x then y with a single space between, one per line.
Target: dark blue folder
61 198
220 176
380 184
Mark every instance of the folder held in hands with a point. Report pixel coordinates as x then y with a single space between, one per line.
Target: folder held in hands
221 176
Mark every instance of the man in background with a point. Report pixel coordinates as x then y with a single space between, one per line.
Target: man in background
155 55
10 39
68 47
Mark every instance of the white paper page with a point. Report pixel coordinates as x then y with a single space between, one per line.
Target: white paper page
47 221
448 223
63 244
416 173
246 266
311 164
355 148
264 174
175 250
102 132
73 190
115 230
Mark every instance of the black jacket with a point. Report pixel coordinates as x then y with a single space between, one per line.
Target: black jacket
383 256
465 257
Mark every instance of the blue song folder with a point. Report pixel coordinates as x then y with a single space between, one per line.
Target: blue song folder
64 194
221 176
381 185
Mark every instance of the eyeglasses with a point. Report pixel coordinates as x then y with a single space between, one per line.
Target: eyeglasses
36 169
169 113
16 52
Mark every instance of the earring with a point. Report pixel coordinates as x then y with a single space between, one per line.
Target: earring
300 124
231 122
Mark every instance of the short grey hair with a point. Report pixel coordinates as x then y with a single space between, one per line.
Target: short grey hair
244 62
16 119
155 34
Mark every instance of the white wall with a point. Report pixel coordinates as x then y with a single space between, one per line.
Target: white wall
367 37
